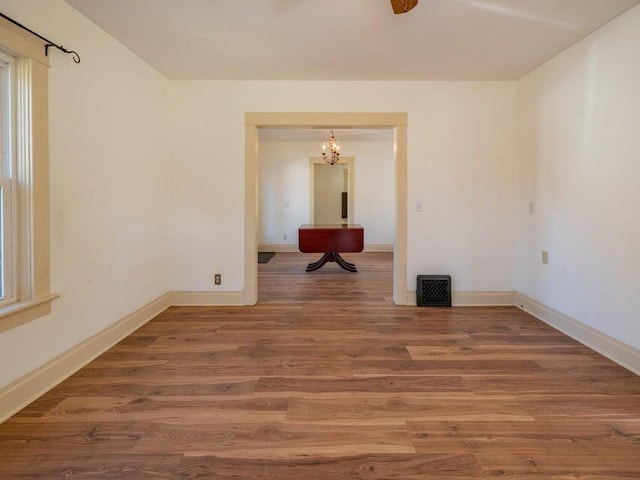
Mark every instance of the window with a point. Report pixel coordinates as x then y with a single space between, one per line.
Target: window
7 169
24 178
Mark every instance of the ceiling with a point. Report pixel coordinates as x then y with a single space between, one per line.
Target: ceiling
348 39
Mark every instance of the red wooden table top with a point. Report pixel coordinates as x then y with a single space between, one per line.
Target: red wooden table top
330 238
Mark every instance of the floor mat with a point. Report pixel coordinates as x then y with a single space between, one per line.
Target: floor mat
264 257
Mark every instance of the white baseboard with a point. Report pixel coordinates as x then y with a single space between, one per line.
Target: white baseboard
291 248
482 299
17 395
279 248
624 355
207 298
378 247
473 299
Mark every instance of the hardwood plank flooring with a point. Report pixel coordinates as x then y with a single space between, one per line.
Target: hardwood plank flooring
326 379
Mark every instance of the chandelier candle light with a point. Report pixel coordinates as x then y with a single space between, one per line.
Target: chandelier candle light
334 150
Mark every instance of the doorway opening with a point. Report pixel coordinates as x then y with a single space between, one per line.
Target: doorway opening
331 191
395 121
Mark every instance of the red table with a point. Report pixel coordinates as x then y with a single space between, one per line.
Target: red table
331 240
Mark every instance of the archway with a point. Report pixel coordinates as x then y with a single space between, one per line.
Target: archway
256 120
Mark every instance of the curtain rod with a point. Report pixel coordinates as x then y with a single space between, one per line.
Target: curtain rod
75 56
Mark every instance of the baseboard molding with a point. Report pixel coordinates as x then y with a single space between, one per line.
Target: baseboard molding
17 395
279 248
378 247
207 298
622 354
474 299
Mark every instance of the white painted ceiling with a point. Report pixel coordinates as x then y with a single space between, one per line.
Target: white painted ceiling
348 39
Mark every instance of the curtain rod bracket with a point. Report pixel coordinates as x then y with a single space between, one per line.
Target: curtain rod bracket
75 56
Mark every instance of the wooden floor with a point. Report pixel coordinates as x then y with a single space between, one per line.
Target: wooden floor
326 379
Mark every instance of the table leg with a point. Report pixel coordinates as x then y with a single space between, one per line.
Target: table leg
331 257
316 265
344 264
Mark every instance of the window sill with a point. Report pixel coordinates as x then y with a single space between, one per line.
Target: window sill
22 312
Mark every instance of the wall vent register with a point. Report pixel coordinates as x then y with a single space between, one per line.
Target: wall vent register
433 291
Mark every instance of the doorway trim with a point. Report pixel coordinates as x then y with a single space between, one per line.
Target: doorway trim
255 120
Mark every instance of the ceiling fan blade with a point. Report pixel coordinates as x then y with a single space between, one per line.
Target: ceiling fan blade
403 6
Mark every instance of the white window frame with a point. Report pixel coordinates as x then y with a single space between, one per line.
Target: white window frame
7 251
7 180
29 195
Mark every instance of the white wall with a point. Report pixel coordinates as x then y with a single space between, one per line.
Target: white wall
108 181
461 158
374 200
283 186
283 179
579 162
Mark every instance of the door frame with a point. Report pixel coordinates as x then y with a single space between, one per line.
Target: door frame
327 120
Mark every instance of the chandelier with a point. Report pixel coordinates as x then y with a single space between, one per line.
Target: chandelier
333 155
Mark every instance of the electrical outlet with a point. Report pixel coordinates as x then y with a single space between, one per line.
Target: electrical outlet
217 279
545 257
285 236
419 206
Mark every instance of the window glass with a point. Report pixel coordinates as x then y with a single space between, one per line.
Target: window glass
7 217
